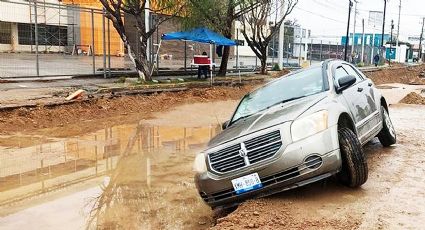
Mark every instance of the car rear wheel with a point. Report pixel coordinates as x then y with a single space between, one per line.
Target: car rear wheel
387 136
354 169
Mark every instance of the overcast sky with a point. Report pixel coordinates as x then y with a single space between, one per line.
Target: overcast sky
329 17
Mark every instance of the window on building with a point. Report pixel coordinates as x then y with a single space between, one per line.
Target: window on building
5 33
25 35
47 35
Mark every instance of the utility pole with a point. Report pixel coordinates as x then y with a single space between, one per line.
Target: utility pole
37 64
350 4
363 41
398 23
398 32
354 29
383 24
391 42
420 39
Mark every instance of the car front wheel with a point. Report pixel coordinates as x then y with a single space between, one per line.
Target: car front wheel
354 171
387 136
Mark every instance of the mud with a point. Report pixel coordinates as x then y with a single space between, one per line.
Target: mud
398 74
125 163
139 176
107 111
413 98
132 176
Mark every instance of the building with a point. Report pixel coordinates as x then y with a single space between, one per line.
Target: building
414 40
62 26
301 40
17 30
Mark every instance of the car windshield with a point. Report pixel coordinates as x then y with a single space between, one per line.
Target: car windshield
291 87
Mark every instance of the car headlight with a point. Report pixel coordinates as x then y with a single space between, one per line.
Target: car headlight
199 164
309 125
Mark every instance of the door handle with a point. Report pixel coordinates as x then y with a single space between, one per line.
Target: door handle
359 89
369 84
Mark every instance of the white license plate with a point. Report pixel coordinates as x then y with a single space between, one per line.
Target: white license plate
247 183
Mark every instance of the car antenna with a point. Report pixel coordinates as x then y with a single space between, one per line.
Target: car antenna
218 122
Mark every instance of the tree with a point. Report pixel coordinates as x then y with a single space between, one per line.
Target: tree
256 30
115 10
219 15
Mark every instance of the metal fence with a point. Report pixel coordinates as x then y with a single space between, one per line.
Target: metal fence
45 39
305 52
39 38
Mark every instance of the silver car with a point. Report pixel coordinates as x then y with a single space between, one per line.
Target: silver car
296 130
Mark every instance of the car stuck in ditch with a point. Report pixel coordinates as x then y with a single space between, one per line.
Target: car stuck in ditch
301 128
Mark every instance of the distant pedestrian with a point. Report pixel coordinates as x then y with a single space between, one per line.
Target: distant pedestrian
203 69
376 60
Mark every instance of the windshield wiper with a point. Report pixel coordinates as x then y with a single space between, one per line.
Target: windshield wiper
240 118
281 102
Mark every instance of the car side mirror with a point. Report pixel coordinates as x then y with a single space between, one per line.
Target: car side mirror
224 125
345 82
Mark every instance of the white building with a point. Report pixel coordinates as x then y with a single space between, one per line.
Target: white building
244 49
414 40
17 26
301 41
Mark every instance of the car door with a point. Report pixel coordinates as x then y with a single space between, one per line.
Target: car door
356 99
371 122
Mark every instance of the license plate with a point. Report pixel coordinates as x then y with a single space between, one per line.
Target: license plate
247 183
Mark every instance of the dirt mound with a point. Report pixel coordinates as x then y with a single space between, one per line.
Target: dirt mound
413 98
397 74
263 214
75 118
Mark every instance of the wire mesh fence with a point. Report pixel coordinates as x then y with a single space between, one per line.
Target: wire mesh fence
40 38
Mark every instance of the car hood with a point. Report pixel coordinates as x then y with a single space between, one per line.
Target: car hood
275 115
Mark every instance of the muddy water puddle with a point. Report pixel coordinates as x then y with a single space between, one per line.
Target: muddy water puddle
135 176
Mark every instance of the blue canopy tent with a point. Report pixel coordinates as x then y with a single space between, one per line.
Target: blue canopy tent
202 35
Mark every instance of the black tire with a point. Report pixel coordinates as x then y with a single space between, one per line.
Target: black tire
354 169
387 136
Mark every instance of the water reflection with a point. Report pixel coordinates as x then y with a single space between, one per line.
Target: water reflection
149 170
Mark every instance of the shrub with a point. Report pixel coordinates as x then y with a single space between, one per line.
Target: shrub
276 67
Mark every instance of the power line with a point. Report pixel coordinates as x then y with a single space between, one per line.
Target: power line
409 15
322 16
325 17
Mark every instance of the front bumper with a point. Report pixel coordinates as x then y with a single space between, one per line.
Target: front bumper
286 171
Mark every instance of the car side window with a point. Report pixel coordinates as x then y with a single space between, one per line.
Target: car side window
339 73
353 72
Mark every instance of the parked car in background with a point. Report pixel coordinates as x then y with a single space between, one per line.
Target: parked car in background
301 128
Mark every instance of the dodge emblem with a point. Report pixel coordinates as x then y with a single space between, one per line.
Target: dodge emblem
243 152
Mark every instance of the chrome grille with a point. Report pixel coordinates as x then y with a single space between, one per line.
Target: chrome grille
263 147
226 159
257 149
